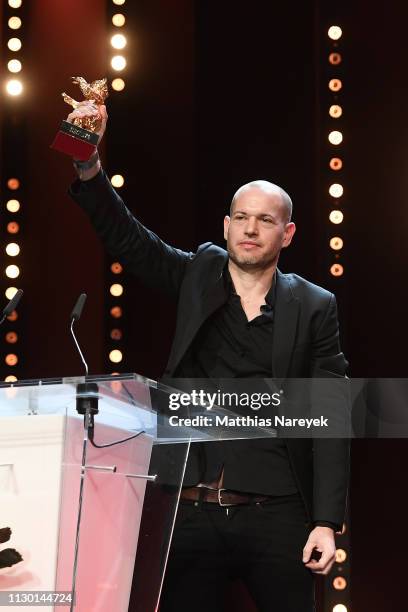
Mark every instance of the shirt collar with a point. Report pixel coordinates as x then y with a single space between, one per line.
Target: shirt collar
270 297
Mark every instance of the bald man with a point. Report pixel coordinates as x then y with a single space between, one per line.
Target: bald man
257 510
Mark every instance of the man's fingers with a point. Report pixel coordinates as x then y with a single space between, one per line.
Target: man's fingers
324 564
307 551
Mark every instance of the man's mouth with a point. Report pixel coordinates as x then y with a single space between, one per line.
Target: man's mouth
248 244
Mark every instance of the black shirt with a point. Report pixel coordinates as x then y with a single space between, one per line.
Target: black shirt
229 346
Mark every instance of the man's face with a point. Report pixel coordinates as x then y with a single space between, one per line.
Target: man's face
257 229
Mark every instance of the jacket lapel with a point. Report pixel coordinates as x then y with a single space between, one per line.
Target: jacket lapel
214 295
285 325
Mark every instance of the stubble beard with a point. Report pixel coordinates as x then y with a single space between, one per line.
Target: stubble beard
252 262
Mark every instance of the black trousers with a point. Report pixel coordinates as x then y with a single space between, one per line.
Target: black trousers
261 544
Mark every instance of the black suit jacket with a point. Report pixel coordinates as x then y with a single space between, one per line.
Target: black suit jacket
305 340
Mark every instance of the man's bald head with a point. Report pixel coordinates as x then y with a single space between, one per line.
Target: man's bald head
269 189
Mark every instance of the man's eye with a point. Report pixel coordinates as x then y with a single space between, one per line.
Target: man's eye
267 220
239 217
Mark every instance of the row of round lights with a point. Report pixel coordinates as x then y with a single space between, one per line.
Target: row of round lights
118 43
14 85
12 270
336 243
118 62
116 290
335 138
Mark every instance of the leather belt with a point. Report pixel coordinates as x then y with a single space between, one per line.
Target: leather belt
223 497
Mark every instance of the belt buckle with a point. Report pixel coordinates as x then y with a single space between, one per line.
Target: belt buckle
219 491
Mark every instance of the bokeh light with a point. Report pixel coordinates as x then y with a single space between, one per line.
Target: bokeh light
336 216
335 137
13 206
12 271
336 243
335 84
12 249
118 62
116 356
14 65
116 290
14 23
118 41
336 269
335 111
117 180
336 163
119 20
336 190
118 84
14 44
335 32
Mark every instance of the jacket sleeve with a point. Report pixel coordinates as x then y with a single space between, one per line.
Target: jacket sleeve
331 456
144 254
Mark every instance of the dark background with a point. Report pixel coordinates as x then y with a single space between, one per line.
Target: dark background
220 93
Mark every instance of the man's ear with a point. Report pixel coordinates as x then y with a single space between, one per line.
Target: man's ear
226 226
289 232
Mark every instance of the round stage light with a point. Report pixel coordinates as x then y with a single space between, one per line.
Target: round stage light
335 111
14 23
119 2
336 216
335 59
118 62
10 292
14 44
116 268
11 359
13 227
13 206
117 180
116 334
13 316
10 378
116 289
336 163
335 84
336 270
116 312
118 84
12 271
335 32
336 190
336 243
118 20
118 41
116 356
335 137
341 555
11 337
14 87
15 3
13 184
12 249
339 583
14 65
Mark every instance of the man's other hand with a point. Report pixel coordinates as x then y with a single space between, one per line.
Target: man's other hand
320 539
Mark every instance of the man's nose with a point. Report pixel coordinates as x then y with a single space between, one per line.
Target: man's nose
251 227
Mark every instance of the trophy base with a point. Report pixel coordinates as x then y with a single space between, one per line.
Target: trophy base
75 141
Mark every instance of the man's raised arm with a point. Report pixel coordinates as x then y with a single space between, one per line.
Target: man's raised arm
144 254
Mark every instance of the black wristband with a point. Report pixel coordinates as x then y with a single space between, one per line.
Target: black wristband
86 165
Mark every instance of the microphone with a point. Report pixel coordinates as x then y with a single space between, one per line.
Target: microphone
75 316
12 305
